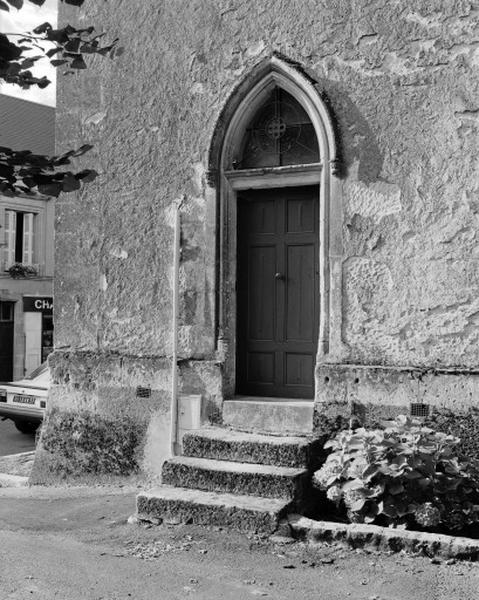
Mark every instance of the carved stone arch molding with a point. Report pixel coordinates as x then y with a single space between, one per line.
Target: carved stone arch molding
224 184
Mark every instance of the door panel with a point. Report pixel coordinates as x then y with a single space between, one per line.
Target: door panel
300 215
261 367
299 369
277 291
262 216
261 293
300 292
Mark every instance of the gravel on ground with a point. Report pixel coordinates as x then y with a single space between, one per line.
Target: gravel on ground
76 543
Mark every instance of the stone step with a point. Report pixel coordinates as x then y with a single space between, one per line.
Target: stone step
225 444
234 478
243 513
269 415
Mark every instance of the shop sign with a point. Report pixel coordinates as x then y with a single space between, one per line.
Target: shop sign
43 304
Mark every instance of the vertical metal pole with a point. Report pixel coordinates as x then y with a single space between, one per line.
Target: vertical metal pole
175 447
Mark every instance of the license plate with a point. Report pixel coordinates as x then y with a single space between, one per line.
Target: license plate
24 399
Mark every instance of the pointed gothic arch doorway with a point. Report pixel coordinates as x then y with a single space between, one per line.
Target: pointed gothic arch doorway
273 153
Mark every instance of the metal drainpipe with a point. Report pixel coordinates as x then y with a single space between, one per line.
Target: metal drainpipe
174 445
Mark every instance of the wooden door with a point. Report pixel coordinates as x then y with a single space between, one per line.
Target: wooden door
277 292
6 341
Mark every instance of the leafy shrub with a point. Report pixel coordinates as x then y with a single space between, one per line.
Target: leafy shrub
463 425
84 442
18 270
404 475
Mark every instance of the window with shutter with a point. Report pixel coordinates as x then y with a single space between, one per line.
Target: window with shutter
27 248
10 235
19 238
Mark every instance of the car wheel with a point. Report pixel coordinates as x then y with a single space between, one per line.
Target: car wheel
26 426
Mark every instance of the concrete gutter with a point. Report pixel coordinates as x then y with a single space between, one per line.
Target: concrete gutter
7 480
358 535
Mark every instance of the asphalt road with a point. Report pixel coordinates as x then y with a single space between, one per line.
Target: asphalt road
12 441
75 544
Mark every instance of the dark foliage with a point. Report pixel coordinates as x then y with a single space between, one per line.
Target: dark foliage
26 173
22 172
464 425
19 270
84 442
327 425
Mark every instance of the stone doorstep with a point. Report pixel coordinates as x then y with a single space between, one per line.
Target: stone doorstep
284 417
239 512
358 535
231 477
226 444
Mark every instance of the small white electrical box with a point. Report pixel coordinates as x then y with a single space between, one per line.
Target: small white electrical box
189 412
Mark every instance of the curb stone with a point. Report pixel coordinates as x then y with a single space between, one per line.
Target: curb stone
17 464
358 535
15 469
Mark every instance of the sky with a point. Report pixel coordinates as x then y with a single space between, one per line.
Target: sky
23 20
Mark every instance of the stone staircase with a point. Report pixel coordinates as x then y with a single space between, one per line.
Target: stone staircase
233 479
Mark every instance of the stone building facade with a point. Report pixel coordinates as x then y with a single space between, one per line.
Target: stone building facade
390 94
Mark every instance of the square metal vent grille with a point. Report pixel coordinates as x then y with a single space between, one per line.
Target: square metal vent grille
143 392
419 410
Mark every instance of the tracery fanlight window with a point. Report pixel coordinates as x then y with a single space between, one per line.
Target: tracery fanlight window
280 133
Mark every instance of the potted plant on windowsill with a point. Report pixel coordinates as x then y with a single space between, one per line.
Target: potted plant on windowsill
19 270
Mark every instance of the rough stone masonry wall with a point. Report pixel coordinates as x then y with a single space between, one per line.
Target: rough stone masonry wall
410 258
401 78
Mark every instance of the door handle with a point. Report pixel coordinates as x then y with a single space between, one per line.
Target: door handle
279 276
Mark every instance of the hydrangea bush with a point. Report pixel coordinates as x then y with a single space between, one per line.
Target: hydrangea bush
404 475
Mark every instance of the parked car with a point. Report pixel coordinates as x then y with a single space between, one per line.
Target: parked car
25 401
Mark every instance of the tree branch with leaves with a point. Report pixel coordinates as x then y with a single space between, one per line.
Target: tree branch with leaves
21 171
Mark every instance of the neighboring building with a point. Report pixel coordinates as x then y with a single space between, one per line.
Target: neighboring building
26 238
325 157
